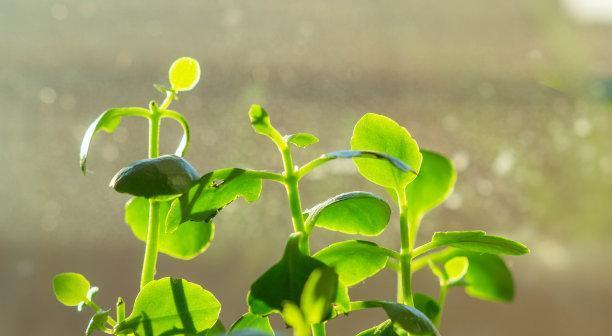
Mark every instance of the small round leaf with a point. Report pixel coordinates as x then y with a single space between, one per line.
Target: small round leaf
70 288
184 74
354 260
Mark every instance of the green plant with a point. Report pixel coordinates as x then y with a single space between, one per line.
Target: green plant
173 208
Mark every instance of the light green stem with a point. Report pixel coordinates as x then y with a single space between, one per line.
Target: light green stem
293 193
441 302
405 277
150 257
318 329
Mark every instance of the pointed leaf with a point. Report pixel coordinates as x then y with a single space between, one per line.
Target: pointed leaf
356 212
97 322
171 305
302 140
252 323
108 121
211 193
434 184
70 288
378 133
284 281
478 241
186 242
165 175
318 295
354 260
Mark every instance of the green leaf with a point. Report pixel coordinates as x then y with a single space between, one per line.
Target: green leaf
368 155
386 328
186 242
427 305
356 212
432 186
294 317
70 288
342 302
456 268
318 295
216 330
284 281
184 74
162 176
171 305
211 193
378 133
108 121
252 322
261 123
488 278
408 318
91 293
97 322
478 241
302 140
354 260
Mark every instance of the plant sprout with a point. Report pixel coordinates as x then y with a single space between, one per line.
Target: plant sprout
173 208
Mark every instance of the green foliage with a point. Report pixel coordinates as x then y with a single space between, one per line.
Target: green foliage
285 281
186 242
356 212
211 193
434 184
374 132
251 323
478 241
163 176
70 288
354 260
302 140
174 207
171 305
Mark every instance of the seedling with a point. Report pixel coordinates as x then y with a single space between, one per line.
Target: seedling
173 207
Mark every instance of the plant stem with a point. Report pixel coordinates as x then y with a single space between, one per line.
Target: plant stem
405 276
441 301
293 193
318 329
150 257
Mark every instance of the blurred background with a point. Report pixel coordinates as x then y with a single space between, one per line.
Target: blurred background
517 93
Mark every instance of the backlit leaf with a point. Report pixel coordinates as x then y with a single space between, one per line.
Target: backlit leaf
478 241
374 132
427 305
211 193
456 268
171 305
186 242
302 140
368 155
384 329
354 260
184 74
318 295
356 212
70 288
108 121
408 318
251 322
97 322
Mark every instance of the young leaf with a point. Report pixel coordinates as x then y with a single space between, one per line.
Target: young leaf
97 322
108 121
478 241
172 306
293 316
318 295
378 133
408 318
70 288
356 212
434 184
488 278
186 242
354 260
384 329
211 193
261 123
456 268
251 322
302 140
184 74
165 175
284 281
427 305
